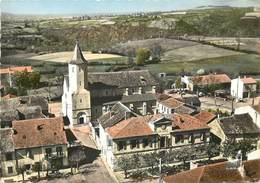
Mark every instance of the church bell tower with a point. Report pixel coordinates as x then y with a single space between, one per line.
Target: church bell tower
76 96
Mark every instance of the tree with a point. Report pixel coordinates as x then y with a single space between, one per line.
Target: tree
142 55
34 79
151 159
184 154
21 169
212 149
56 163
178 83
76 156
27 80
37 167
125 163
230 147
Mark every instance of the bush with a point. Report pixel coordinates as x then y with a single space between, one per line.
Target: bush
142 56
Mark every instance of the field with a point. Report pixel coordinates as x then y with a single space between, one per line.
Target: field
63 57
196 52
232 65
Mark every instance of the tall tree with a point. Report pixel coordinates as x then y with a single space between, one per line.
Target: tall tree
142 55
37 167
125 163
76 156
21 169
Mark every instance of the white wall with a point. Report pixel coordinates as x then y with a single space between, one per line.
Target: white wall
237 87
251 111
163 109
106 151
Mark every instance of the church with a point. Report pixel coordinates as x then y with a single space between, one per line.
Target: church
87 95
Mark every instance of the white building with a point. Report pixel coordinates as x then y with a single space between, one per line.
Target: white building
76 97
253 111
242 87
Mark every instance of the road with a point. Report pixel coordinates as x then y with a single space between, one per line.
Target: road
91 173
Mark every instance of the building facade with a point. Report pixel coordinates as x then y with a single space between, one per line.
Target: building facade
33 141
151 133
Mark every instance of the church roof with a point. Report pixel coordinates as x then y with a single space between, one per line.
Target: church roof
122 79
78 57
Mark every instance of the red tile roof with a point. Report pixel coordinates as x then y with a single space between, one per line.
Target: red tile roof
211 79
138 126
132 127
205 116
38 132
8 96
186 122
248 80
11 70
162 96
172 103
217 173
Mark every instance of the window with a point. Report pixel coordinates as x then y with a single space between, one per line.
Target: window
81 120
59 151
8 156
48 152
145 142
106 93
121 145
72 69
162 142
191 139
80 83
134 144
109 141
10 170
80 100
29 154
28 166
203 137
179 139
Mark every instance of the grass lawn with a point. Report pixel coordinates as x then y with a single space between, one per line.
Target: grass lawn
228 64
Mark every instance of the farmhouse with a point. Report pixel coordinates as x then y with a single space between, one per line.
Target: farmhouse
243 87
87 95
204 82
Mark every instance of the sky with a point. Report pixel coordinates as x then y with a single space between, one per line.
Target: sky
111 6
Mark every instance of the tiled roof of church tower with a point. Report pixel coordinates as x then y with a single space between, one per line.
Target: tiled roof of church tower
78 57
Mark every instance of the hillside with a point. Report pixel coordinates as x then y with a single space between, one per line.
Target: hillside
59 34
